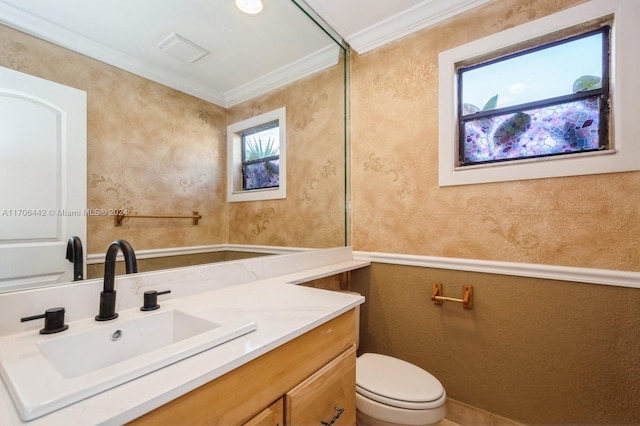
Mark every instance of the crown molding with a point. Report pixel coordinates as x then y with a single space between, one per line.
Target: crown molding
317 61
53 33
28 23
423 15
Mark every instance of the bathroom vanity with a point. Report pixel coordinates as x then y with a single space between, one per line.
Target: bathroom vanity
299 361
314 374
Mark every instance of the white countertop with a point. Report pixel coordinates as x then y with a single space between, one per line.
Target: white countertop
282 312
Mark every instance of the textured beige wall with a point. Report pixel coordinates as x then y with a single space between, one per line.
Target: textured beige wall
154 150
586 221
313 213
532 350
536 351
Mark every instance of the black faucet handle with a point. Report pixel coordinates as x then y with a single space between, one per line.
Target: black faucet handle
53 320
151 299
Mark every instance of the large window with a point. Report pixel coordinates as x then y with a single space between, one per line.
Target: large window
547 100
256 158
554 97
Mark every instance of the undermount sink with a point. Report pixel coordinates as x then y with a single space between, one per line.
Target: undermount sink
46 373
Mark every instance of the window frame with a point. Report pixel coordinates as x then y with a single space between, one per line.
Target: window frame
624 147
235 158
602 93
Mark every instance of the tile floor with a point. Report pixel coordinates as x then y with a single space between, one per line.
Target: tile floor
460 414
447 422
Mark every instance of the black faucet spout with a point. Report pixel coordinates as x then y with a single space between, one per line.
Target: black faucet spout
75 256
108 294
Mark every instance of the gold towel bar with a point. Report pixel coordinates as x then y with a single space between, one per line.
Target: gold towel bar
467 296
119 217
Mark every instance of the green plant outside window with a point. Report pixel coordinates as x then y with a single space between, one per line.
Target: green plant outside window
261 157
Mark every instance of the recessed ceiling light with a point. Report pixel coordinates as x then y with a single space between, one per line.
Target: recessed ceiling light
252 7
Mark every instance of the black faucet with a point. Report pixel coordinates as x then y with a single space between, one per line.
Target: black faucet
108 293
74 255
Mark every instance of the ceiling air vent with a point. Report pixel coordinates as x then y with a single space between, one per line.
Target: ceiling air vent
182 49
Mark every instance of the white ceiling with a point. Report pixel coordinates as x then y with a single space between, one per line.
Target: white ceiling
368 24
249 55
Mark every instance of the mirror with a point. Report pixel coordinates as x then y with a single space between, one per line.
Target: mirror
156 125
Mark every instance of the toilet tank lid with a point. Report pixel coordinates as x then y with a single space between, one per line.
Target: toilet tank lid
396 379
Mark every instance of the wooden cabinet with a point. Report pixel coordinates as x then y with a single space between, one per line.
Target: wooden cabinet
273 415
327 397
303 369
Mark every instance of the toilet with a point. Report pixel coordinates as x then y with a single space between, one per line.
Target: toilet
392 392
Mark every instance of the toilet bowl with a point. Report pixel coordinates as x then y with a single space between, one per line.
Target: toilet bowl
390 391
393 392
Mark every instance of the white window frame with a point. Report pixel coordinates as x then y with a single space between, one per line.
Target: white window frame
235 192
625 101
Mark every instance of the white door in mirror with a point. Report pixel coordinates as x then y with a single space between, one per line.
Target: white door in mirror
43 167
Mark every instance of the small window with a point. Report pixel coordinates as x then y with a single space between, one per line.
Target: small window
549 100
261 157
257 158
596 129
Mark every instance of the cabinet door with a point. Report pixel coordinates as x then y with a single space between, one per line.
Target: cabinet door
273 415
327 397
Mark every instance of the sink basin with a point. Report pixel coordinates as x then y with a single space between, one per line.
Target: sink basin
45 373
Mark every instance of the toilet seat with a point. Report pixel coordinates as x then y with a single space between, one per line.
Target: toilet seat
397 383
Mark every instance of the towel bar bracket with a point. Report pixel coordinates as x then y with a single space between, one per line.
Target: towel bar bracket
467 296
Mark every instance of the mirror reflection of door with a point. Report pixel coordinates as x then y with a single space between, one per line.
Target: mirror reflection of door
43 168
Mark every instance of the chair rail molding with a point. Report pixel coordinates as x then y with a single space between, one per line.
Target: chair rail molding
549 272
